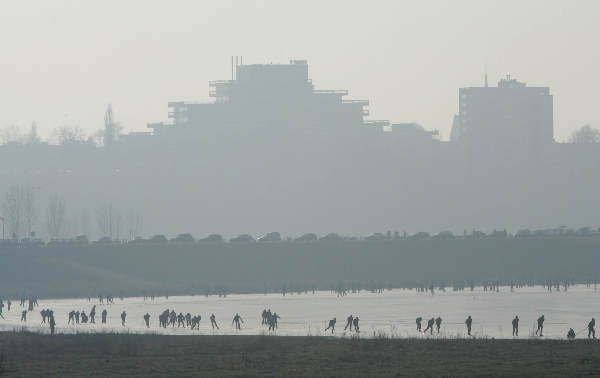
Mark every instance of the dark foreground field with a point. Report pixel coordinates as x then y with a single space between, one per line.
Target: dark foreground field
33 355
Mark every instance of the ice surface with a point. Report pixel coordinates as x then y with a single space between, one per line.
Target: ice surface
391 313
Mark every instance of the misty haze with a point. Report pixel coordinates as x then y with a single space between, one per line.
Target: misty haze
269 169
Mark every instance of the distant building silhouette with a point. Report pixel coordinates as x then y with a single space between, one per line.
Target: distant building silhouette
269 96
510 114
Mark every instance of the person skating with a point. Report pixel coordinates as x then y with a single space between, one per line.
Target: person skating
438 323
591 328
349 320
540 325
355 321
430 323
123 316
147 320
104 314
331 325
418 321
571 334
213 321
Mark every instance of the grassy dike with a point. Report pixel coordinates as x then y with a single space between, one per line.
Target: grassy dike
210 268
35 355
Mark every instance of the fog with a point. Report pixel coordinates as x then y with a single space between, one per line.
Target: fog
63 61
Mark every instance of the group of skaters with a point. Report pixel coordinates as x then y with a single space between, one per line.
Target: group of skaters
591 327
77 317
30 303
170 318
438 324
270 319
351 321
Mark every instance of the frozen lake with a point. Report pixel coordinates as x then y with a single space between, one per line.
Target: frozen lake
391 312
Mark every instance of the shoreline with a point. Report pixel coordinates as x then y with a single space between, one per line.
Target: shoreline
34 355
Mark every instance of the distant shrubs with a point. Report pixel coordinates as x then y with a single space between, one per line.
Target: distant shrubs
213 238
275 237
271 237
331 237
159 239
244 238
183 238
307 238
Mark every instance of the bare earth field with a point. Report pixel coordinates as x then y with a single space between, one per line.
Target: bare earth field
36 355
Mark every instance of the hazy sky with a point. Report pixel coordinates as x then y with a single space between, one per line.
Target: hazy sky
62 62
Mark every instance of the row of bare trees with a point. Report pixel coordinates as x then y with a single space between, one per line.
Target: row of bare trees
67 135
20 211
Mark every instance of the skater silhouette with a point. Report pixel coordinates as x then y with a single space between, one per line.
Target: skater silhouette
331 325
469 322
213 321
430 323
540 325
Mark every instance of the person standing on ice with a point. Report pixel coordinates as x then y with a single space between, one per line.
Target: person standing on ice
147 320
515 325
469 322
52 324
236 319
355 321
418 321
93 315
123 316
571 334
104 313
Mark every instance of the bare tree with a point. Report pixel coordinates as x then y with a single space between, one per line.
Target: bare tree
134 224
29 209
10 134
56 216
12 208
85 223
70 135
108 220
586 134
32 137
112 129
